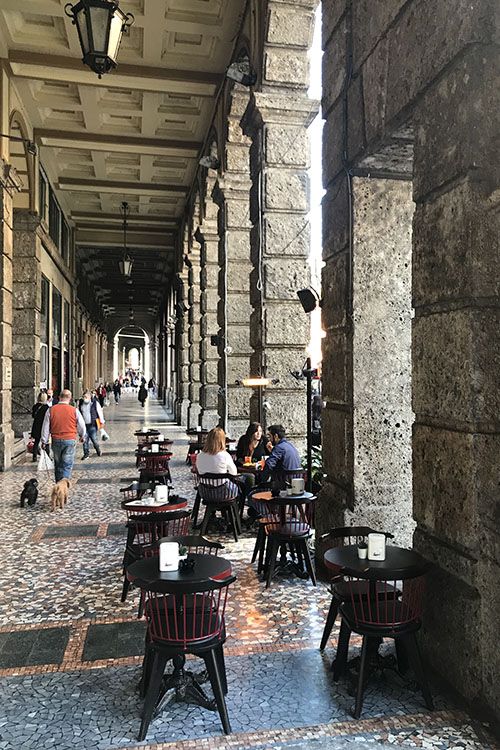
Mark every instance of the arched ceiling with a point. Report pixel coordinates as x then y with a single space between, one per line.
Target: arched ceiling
133 136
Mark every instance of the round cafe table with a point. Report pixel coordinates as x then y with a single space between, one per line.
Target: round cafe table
399 563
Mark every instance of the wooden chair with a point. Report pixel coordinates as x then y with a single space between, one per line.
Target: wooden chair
219 493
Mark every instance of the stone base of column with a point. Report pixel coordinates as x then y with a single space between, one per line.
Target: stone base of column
6 448
181 411
193 416
209 418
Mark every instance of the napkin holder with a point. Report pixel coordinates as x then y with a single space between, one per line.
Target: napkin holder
161 493
376 547
169 556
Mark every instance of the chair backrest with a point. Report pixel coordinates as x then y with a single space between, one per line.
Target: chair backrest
194 544
217 487
154 463
150 527
345 535
183 620
389 604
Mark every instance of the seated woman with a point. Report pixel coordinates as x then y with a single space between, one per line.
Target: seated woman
214 458
251 445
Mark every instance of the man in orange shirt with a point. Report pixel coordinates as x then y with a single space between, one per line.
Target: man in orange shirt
63 423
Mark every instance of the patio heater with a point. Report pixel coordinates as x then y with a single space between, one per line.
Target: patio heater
100 25
258 383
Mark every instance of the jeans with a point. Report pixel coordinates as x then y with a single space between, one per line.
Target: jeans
64 456
91 435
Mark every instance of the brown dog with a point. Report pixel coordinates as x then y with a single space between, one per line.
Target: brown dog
60 492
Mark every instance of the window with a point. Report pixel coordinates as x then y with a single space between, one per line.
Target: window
44 334
42 196
65 239
54 219
56 319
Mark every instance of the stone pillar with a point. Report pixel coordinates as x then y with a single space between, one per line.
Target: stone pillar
456 365
182 344
194 380
233 195
280 247
9 183
26 318
208 238
367 364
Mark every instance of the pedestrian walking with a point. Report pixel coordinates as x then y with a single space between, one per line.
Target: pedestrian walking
117 390
38 413
143 394
63 423
92 414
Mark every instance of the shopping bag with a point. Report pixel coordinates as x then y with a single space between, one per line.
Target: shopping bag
106 402
98 423
104 435
45 463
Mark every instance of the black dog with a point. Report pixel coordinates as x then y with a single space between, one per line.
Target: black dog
30 492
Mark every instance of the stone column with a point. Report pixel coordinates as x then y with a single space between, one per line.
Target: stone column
9 183
182 343
26 318
280 247
367 362
208 238
194 379
456 365
232 193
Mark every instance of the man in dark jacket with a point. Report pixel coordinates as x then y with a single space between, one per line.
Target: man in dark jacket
284 455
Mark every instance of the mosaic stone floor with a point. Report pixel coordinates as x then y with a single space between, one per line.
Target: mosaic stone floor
70 651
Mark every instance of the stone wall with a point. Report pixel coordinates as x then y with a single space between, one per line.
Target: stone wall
392 69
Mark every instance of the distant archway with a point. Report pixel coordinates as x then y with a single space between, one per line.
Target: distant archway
126 340
23 160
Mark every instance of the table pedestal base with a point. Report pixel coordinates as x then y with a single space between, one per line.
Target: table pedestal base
184 687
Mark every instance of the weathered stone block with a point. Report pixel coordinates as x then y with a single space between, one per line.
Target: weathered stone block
337 368
289 26
25 375
238 213
338 444
6 310
334 67
290 236
289 68
6 272
356 116
375 90
286 146
370 23
336 218
333 145
238 367
332 12
237 338
456 360
6 339
286 325
425 39
465 103
455 247
238 276
238 308
283 276
335 281
238 400
286 190
453 498
238 158
26 270
287 408
238 245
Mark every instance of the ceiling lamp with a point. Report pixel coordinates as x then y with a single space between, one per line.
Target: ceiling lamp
100 25
126 263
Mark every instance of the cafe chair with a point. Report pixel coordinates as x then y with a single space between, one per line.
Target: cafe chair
180 624
292 534
381 614
341 537
144 529
154 467
219 493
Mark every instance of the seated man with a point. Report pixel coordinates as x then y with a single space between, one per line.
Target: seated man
284 457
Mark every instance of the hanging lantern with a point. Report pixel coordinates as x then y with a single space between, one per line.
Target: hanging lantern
126 263
100 25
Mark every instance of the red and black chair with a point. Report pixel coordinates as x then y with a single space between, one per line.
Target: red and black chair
144 529
291 532
154 467
191 622
340 537
391 609
219 493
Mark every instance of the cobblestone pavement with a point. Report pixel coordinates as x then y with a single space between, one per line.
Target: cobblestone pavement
70 651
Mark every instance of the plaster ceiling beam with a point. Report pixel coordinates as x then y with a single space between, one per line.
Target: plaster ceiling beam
115 186
95 238
115 143
137 218
131 230
38 66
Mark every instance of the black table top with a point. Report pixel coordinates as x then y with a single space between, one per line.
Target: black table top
284 498
399 563
206 568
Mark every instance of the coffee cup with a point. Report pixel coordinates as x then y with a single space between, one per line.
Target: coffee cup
297 486
169 556
362 552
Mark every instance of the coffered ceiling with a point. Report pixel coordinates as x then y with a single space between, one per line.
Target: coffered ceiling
133 136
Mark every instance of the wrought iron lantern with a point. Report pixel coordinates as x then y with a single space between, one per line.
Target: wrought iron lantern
100 25
126 263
